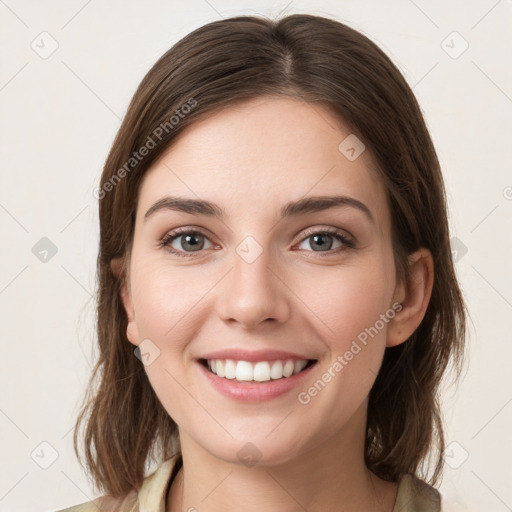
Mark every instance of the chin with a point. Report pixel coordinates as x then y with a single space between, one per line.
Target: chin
261 449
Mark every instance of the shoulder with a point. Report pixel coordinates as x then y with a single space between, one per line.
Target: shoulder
107 503
415 495
151 495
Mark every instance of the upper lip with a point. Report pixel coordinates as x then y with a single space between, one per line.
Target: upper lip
240 354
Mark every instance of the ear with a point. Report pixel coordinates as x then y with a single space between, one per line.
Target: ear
414 296
118 268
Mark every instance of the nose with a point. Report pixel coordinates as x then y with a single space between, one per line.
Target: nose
254 293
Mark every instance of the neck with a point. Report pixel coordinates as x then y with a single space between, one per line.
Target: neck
330 476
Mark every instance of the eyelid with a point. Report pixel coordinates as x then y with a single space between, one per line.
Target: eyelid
331 230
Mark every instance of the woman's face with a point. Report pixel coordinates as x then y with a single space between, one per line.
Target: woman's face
253 281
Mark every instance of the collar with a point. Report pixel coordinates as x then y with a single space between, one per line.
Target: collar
413 494
153 492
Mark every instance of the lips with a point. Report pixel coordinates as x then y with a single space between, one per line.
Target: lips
255 375
252 390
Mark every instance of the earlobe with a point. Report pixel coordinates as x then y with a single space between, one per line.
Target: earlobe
117 266
414 297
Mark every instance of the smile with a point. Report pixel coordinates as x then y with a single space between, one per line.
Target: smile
261 371
238 379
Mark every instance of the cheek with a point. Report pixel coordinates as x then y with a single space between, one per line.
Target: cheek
346 300
165 299
352 302
167 303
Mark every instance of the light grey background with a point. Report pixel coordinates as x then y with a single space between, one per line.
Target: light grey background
59 115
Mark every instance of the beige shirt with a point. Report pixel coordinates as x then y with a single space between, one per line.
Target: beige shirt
414 495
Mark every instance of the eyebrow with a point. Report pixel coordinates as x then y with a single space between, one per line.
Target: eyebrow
291 209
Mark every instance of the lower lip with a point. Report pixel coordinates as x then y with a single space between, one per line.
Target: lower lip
254 391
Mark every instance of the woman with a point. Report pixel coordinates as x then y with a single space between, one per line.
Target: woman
277 297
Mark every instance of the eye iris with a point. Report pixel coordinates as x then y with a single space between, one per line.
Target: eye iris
195 246
322 245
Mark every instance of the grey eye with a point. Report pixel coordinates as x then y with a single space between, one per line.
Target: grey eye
322 241
190 242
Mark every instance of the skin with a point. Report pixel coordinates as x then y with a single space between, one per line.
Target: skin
289 298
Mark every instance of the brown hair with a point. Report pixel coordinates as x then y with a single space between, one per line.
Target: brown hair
315 59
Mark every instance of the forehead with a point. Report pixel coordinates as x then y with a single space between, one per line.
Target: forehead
253 157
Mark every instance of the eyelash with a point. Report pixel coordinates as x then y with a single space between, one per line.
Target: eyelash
173 235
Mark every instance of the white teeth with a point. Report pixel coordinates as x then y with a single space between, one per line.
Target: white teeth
288 368
229 369
299 366
261 371
243 371
277 370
